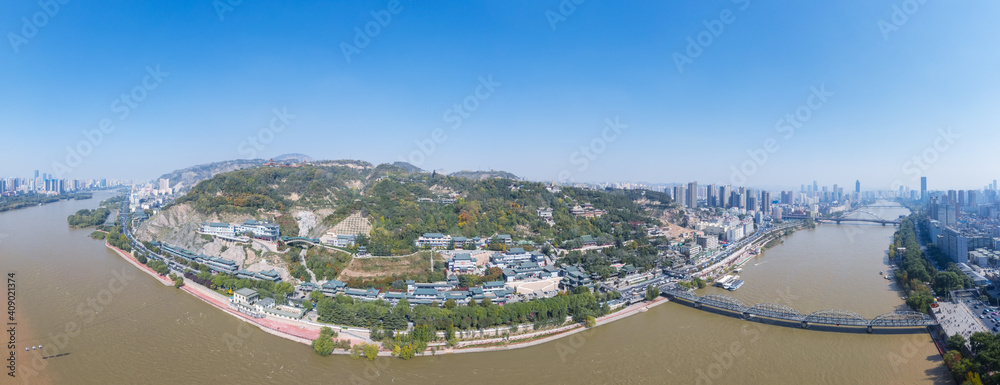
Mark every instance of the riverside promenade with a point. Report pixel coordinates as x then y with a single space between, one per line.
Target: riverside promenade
305 332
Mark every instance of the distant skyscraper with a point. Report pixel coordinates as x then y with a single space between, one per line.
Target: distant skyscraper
36 176
815 186
923 188
741 198
857 186
679 194
765 201
712 196
724 196
972 198
692 195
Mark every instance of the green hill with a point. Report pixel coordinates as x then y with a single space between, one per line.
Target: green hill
401 205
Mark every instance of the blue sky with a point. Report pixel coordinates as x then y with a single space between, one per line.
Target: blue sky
890 91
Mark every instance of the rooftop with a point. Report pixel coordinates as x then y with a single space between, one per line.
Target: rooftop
246 292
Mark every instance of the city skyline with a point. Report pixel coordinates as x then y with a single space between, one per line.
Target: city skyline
655 109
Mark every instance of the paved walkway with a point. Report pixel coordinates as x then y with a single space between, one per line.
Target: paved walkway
958 319
306 332
128 257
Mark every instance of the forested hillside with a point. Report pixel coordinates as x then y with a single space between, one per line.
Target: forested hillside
401 205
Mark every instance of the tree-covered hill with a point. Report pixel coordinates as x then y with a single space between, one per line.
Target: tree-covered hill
401 205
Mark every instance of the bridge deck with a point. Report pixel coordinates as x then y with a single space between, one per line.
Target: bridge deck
786 313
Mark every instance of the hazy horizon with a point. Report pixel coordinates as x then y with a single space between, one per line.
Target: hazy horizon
512 87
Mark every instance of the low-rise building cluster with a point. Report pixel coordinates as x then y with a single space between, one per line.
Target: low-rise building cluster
435 293
242 232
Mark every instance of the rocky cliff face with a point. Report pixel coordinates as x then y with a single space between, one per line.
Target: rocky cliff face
184 179
178 225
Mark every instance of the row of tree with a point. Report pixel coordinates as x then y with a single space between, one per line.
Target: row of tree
117 239
917 274
87 218
381 315
982 366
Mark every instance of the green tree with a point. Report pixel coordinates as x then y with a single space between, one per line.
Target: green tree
450 304
956 342
980 341
945 281
407 351
327 332
323 345
652 292
284 288
370 351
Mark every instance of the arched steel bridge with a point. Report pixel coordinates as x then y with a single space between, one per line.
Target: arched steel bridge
290 240
786 313
841 219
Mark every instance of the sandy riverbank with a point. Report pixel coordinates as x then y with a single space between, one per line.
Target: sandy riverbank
303 332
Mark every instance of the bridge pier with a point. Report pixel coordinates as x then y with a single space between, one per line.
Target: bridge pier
869 329
805 325
746 315
697 305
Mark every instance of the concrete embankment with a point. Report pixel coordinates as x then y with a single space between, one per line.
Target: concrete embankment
304 333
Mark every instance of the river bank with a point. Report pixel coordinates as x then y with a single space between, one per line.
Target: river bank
766 240
154 334
306 332
745 253
22 201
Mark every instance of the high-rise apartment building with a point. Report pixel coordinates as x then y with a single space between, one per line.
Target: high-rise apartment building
692 195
